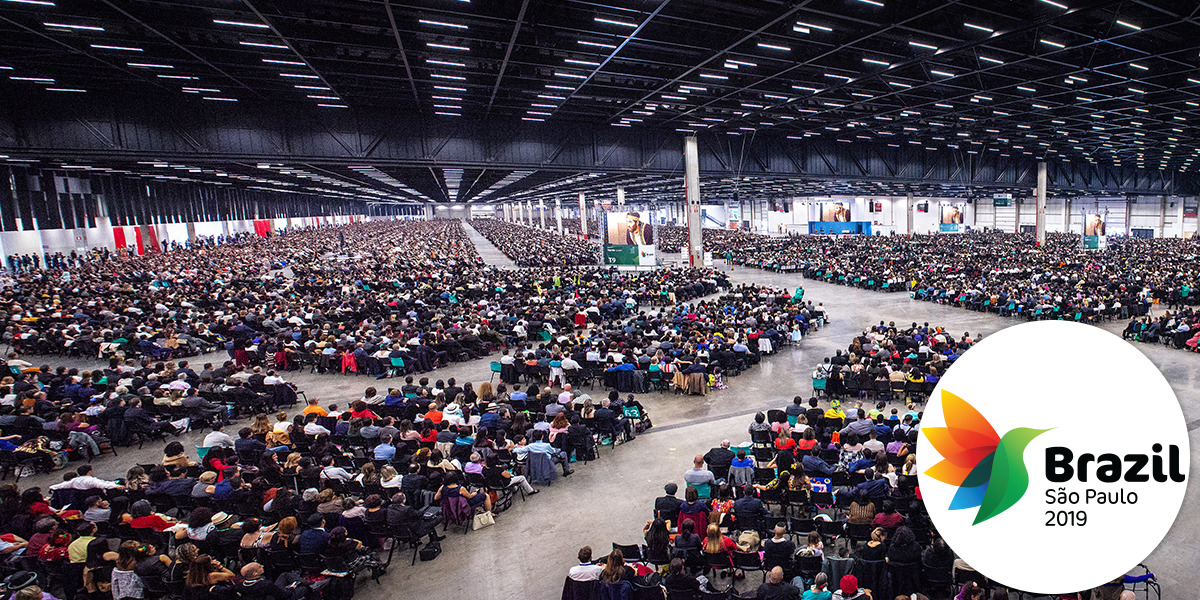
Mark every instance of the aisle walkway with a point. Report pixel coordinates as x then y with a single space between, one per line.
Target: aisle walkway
490 253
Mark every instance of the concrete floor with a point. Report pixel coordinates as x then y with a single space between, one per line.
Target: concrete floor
528 552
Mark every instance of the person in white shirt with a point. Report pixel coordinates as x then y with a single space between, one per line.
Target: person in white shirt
570 364
180 384
217 437
85 481
566 397
311 427
273 378
585 570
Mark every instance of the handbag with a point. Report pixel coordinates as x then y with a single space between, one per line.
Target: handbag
483 519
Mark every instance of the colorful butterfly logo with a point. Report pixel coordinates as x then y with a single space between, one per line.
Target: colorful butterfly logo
988 470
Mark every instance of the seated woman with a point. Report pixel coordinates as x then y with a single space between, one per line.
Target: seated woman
862 510
206 572
695 510
715 543
658 538
286 534
453 486
199 525
173 454
888 518
254 535
876 547
615 578
144 517
679 579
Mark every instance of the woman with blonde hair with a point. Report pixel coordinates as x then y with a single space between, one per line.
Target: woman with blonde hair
485 393
715 543
389 478
261 426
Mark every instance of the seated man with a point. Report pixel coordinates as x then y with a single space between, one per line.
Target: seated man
667 506
402 517
718 460
698 475
539 445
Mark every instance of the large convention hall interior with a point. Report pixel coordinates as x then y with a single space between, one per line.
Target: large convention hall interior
529 299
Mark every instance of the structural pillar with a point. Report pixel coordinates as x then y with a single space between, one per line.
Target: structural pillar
558 213
1039 223
691 188
542 212
583 215
908 213
1162 219
620 196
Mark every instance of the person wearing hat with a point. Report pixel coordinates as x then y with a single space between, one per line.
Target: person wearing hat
25 581
227 532
849 590
775 588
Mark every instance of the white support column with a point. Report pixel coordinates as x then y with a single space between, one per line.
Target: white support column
558 214
542 212
1039 227
691 182
908 213
1066 226
620 196
583 215
1162 218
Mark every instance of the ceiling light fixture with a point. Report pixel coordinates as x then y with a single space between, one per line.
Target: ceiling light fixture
149 66
942 73
811 26
69 26
1129 25
183 77
1025 89
1055 4
314 87
284 62
264 45
444 63
979 27
298 76
442 24
121 48
991 60
774 47
615 22
447 47
241 24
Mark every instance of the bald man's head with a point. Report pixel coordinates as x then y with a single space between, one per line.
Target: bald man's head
776 575
1128 595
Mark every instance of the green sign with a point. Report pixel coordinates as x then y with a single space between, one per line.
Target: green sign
1091 242
1001 201
621 255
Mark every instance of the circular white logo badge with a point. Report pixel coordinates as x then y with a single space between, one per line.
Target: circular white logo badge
1044 447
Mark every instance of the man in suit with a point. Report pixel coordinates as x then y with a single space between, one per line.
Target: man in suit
719 459
668 505
402 517
315 538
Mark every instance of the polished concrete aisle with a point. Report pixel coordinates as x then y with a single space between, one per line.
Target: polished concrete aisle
488 251
526 554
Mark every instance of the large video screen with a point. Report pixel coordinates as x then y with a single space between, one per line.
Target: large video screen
952 215
1094 225
629 229
836 212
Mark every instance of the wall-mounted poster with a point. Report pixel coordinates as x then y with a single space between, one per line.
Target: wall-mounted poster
838 212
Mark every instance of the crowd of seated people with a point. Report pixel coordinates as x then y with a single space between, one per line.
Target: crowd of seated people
890 361
379 298
1178 328
692 347
595 228
536 247
49 416
293 504
1003 273
795 503
820 506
